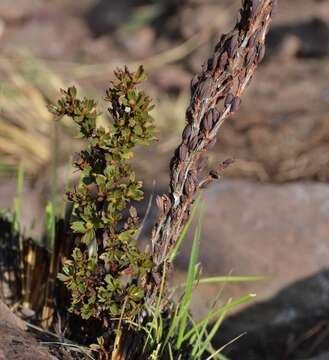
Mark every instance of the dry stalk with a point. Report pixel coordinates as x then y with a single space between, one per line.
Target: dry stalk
215 95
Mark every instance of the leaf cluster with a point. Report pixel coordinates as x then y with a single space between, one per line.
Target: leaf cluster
107 273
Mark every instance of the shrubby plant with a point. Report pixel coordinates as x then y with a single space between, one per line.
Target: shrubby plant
110 279
107 272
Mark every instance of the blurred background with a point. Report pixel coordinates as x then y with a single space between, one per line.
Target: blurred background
270 214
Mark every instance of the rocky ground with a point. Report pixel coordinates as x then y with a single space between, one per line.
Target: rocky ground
270 216
15 344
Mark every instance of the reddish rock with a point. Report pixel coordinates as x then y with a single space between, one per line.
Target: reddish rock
6 316
15 344
254 229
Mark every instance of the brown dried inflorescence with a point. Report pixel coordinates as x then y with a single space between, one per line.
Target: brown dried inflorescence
215 95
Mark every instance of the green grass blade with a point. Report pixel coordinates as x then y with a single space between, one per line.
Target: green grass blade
172 328
213 314
217 355
196 339
212 332
229 279
171 356
18 197
224 346
54 165
50 225
183 313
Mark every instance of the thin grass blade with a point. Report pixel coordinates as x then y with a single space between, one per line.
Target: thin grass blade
191 277
186 228
18 197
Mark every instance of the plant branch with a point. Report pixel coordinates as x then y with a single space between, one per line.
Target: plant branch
215 95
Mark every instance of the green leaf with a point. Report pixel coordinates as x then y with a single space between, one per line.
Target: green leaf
72 91
88 236
136 293
78 227
62 277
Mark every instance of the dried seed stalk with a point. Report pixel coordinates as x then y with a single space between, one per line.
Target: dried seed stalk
215 95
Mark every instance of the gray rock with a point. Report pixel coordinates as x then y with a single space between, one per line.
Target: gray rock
313 35
255 229
292 326
324 356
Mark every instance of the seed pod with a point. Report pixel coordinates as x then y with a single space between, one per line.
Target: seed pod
204 89
274 8
204 66
185 216
193 143
160 204
189 114
173 161
194 82
159 201
232 45
249 80
261 53
253 40
205 183
181 176
255 8
183 151
202 164
220 43
222 166
214 174
259 35
250 58
156 278
226 163
166 202
202 138
187 133
228 100
210 64
241 76
193 176
236 102
214 63
223 61
238 18
207 122
215 115
189 186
